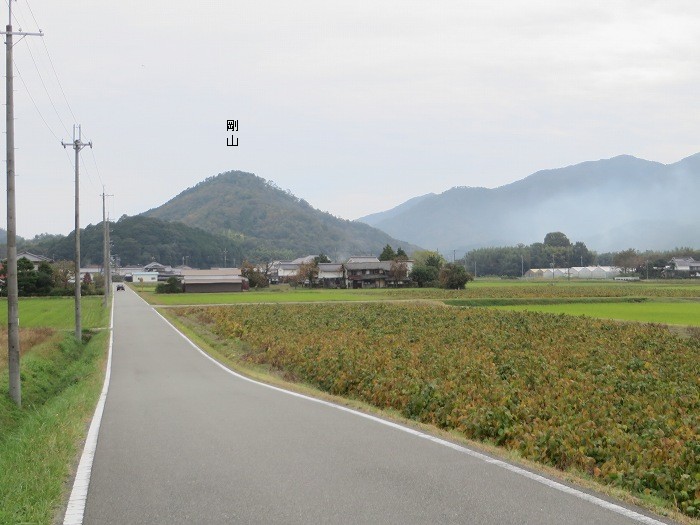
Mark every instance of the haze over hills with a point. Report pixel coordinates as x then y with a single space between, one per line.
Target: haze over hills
249 209
609 204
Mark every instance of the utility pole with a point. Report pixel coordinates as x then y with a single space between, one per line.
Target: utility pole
109 256
225 253
11 270
78 145
106 266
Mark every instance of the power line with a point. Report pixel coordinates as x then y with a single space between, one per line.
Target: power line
29 94
97 168
53 68
46 89
14 15
26 88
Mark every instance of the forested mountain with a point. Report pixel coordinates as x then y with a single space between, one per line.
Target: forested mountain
140 240
609 204
248 209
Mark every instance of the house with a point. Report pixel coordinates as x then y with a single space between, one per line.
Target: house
287 270
331 275
284 271
36 260
681 265
156 267
370 272
694 268
144 277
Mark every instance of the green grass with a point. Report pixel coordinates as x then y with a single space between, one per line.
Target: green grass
39 443
57 312
674 313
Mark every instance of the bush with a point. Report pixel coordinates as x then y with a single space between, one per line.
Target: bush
172 285
454 277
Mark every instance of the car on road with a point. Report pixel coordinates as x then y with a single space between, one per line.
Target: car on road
120 287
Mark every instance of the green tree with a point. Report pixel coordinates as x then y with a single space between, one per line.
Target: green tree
388 254
322 258
420 257
26 277
435 260
627 260
256 278
580 255
62 274
172 285
401 255
557 239
424 275
454 276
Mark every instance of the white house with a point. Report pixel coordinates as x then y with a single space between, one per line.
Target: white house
145 277
331 274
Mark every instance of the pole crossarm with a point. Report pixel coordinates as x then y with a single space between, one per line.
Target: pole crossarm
20 33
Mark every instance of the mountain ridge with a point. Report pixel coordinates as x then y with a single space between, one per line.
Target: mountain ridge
239 204
602 194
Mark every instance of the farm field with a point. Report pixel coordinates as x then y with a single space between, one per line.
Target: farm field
478 292
674 313
57 312
619 402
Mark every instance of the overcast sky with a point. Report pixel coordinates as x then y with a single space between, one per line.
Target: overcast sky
353 106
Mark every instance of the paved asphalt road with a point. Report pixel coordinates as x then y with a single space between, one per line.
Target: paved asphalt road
184 442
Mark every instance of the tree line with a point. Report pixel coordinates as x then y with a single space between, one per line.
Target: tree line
558 251
55 279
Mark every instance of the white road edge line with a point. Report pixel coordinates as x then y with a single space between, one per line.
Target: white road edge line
641 518
75 510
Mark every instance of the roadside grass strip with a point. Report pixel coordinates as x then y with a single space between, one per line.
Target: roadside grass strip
38 443
641 518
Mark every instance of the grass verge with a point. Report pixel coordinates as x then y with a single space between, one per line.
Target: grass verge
39 443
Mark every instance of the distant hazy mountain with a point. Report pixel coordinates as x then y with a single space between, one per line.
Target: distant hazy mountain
610 204
243 206
375 218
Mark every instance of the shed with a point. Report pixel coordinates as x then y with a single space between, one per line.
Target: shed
213 283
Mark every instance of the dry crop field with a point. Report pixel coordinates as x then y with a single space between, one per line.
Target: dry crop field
620 402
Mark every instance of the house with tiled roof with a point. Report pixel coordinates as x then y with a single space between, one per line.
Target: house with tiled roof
35 259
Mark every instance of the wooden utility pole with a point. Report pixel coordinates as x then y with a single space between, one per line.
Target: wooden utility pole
78 145
11 270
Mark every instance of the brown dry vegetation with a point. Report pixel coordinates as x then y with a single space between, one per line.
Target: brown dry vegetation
28 338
